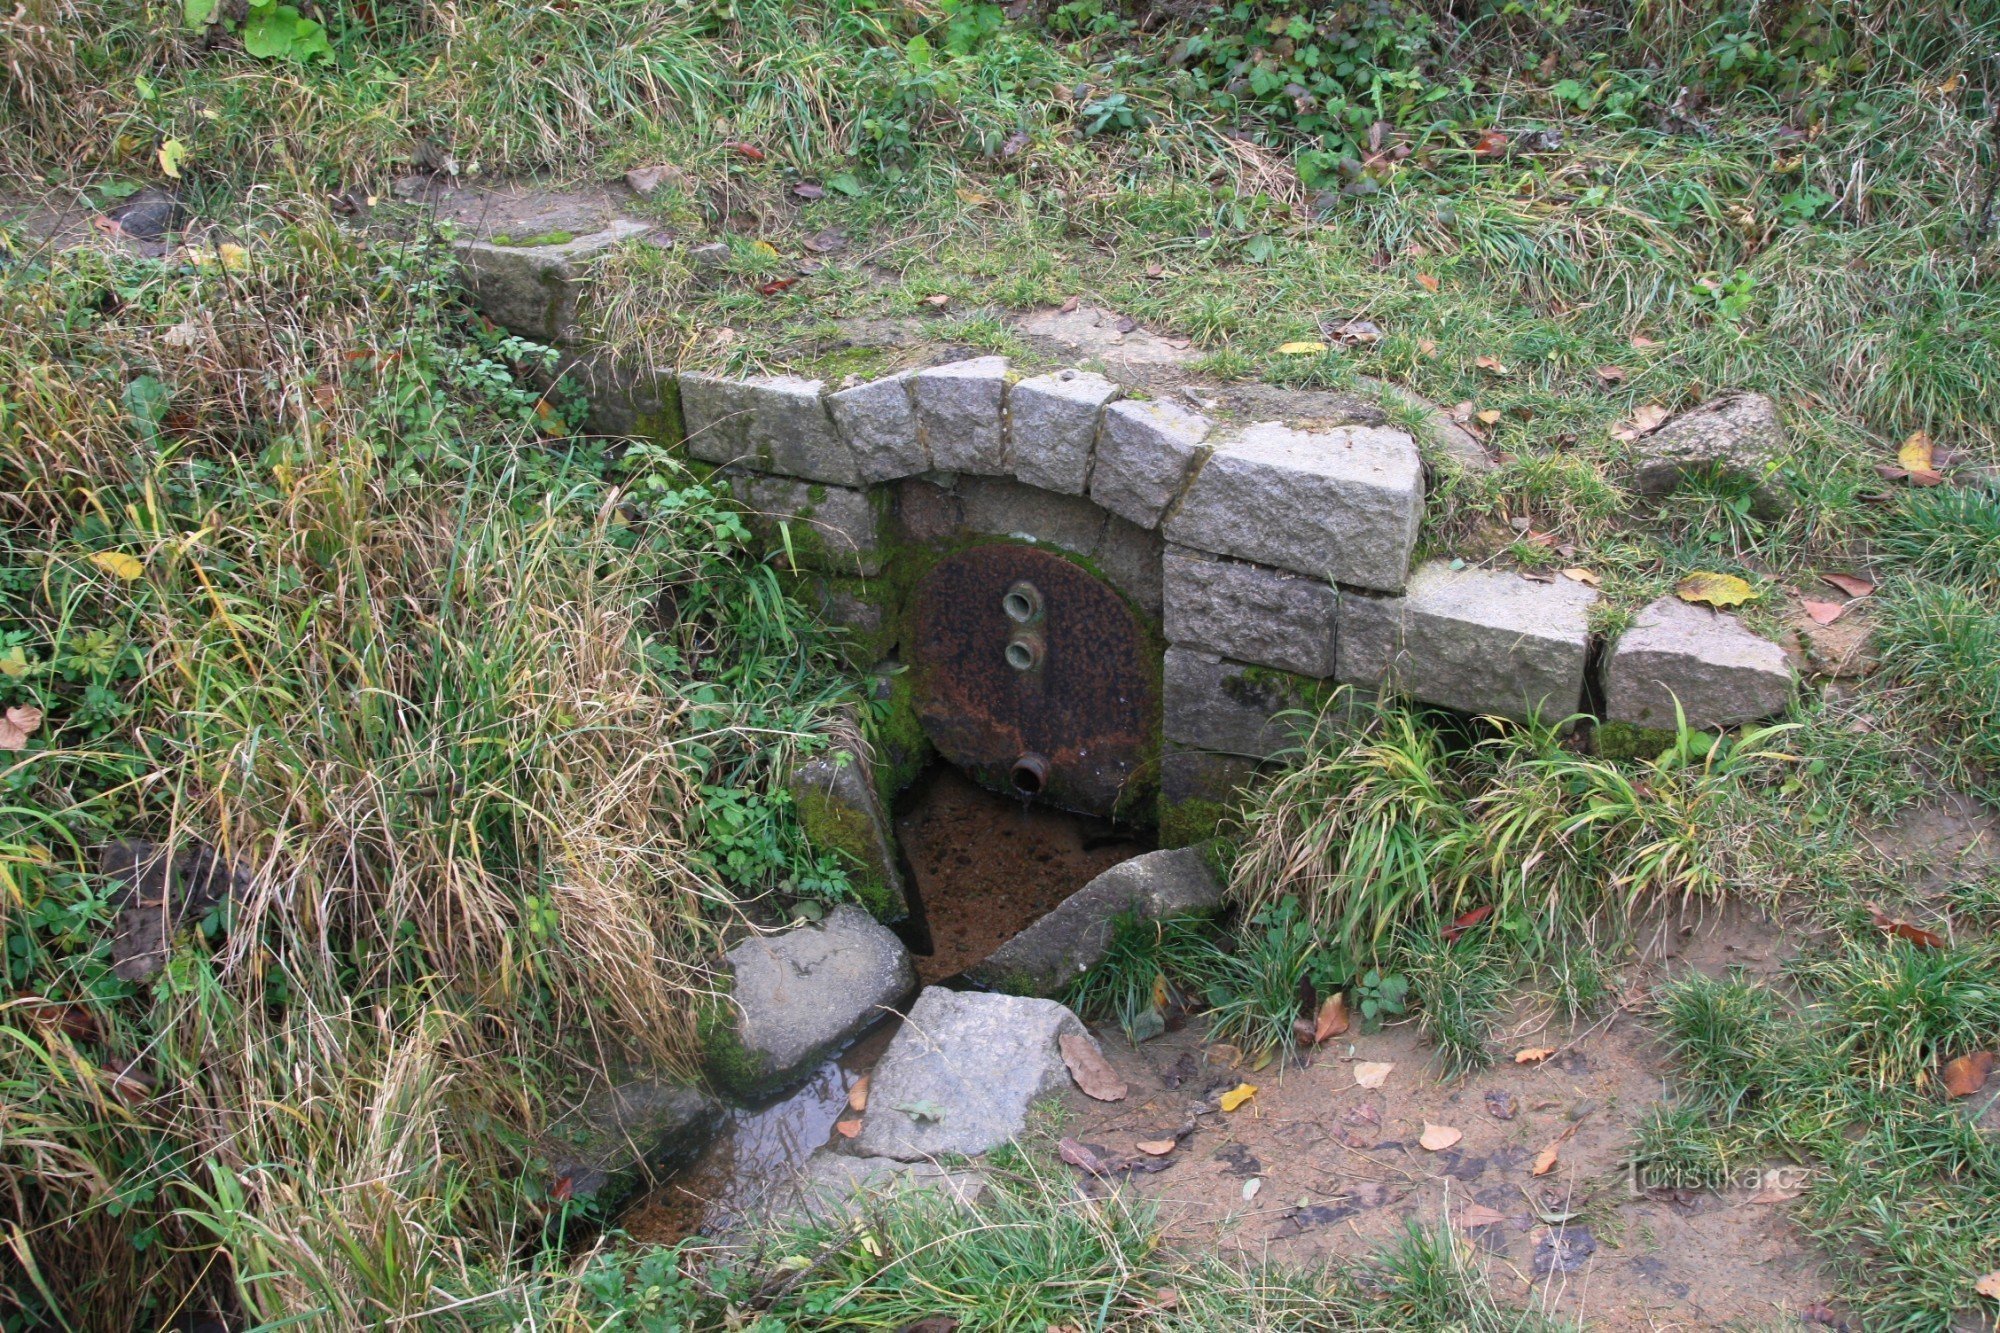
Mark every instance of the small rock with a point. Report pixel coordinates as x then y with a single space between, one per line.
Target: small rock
1738 436
1501 1105
1060 947
147 215
709 258
649 181
801 993
962 1073
1720 672
1563 1250
629 1133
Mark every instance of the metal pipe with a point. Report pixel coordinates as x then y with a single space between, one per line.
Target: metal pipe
1024 651
1022 603
1031 774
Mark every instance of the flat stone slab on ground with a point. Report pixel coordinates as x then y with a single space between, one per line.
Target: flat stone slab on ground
962 1072
804 991
1060 947
1341 504
1720 672
1739 436
835 1186
1251 613
532 290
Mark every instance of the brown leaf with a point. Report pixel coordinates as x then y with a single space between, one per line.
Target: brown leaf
1852 585
1466 921
1430 283
1610 375
1641 341
1436 1138
1968 1073
19 723
1583 576
1427 346
1156 1147
857 1096
748 152
1492 364
827 241
809 190
1155 271
1915 934
940 300
1371 1073
775 285
1533 1055
1082 1158
1824 613
1989 1286
849 1127
1479 1215
1069 304
1332 1021
1493 143
1092 1072
931 1323
1545 1160
1645 420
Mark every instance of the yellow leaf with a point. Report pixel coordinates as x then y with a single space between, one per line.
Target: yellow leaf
1238 1095
232 256
1490 417
973 197
119 564
1301 349
172 153
1582 576
1917 453
766 249
1545 1160
870 1244
1715 589
1372 1073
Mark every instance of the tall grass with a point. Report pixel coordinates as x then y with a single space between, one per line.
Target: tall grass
291 577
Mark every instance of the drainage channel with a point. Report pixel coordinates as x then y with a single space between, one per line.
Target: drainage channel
982 868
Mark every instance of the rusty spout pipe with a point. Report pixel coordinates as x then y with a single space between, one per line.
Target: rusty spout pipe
1031 774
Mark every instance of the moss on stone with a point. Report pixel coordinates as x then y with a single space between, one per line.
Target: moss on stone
833 825
1194 820
531 242
902 748
1624 740
730 1064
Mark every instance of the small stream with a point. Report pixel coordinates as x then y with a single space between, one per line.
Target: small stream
982 868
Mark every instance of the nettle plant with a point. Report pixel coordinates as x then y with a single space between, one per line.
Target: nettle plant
270 30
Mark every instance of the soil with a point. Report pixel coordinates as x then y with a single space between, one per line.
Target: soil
986 867
1341 1171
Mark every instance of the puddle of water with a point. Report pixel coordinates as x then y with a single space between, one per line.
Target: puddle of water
756 1147
986 867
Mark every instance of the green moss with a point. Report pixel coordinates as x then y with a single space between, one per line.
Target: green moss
1186 823
530 242
902 749
666 426
729 1063
837 826
1623 740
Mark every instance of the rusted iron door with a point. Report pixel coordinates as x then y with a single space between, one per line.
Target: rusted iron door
1033 676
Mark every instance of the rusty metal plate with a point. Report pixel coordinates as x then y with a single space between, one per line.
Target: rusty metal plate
1073 686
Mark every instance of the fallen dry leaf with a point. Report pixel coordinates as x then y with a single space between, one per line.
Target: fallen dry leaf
849 1127
1545 1160
1533 1055
1465 921
1372 1074
1156 1147
1917 453
1610 375
1641 341
1989 1286
1430 283
1968 1073
1491 364
1715 589
17 725
1907 930
1301 349
1479 1215
1069 303
1493 143
1436 1138
1332 1021
940 300
1583 576
1092 1072
1082 1158
1251 1186
1645 420
1238 1095
1490 417
857 1096
1824 613
1850 584
119 565
1427 346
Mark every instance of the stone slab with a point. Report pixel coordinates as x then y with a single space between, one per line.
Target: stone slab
1003 507
832 528
1721 673
775 423
1341 504
631 1133
803 992
960 415
1144 452
1060 947
532 290
1251 613
878 423
1477 640
834 1186
841 813
971 1065
1736 435
1129 558
1212 703
1052 428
